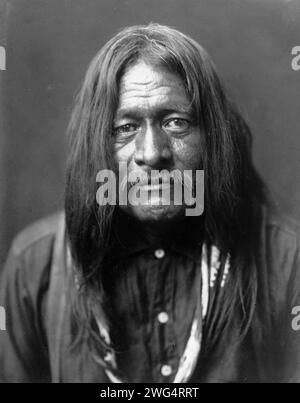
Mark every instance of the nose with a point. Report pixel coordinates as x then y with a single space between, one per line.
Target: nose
152 148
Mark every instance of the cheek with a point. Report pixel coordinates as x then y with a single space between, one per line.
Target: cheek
187 151
124 152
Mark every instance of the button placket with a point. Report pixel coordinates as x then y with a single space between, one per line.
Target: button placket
168 358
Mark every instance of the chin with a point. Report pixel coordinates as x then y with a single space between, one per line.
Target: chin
156 213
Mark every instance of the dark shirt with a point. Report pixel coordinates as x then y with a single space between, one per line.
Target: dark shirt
153 292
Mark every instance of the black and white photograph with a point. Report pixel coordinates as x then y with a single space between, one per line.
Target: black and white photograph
149 194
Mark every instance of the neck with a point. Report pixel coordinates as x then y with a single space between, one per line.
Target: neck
162 232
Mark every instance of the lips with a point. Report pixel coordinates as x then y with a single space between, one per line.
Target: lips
153 182
150 187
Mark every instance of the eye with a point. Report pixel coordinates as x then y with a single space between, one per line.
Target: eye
177 125
127 129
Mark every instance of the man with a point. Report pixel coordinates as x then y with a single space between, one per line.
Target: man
142 292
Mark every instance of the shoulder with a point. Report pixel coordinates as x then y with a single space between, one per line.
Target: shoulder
30 257
280 253
36 234
284 225
280 235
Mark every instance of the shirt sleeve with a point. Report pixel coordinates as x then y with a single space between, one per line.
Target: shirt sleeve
23 355
284 288
290 340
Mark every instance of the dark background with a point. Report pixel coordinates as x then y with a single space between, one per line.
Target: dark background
50 43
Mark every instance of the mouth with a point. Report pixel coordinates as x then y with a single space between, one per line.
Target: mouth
154 187
153 182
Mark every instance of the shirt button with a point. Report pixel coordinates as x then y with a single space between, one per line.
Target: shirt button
163 317
166 370
159 253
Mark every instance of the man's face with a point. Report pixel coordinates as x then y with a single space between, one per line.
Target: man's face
155 129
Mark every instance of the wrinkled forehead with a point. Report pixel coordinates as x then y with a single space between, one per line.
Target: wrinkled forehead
143 84
163 64
147 75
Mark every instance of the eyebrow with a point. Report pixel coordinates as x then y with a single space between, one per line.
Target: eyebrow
135 112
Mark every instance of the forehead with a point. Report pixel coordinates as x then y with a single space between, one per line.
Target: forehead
145 86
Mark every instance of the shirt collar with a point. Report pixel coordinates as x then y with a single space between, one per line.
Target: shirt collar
129 240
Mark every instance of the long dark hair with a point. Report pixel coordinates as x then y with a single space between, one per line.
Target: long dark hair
233 190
